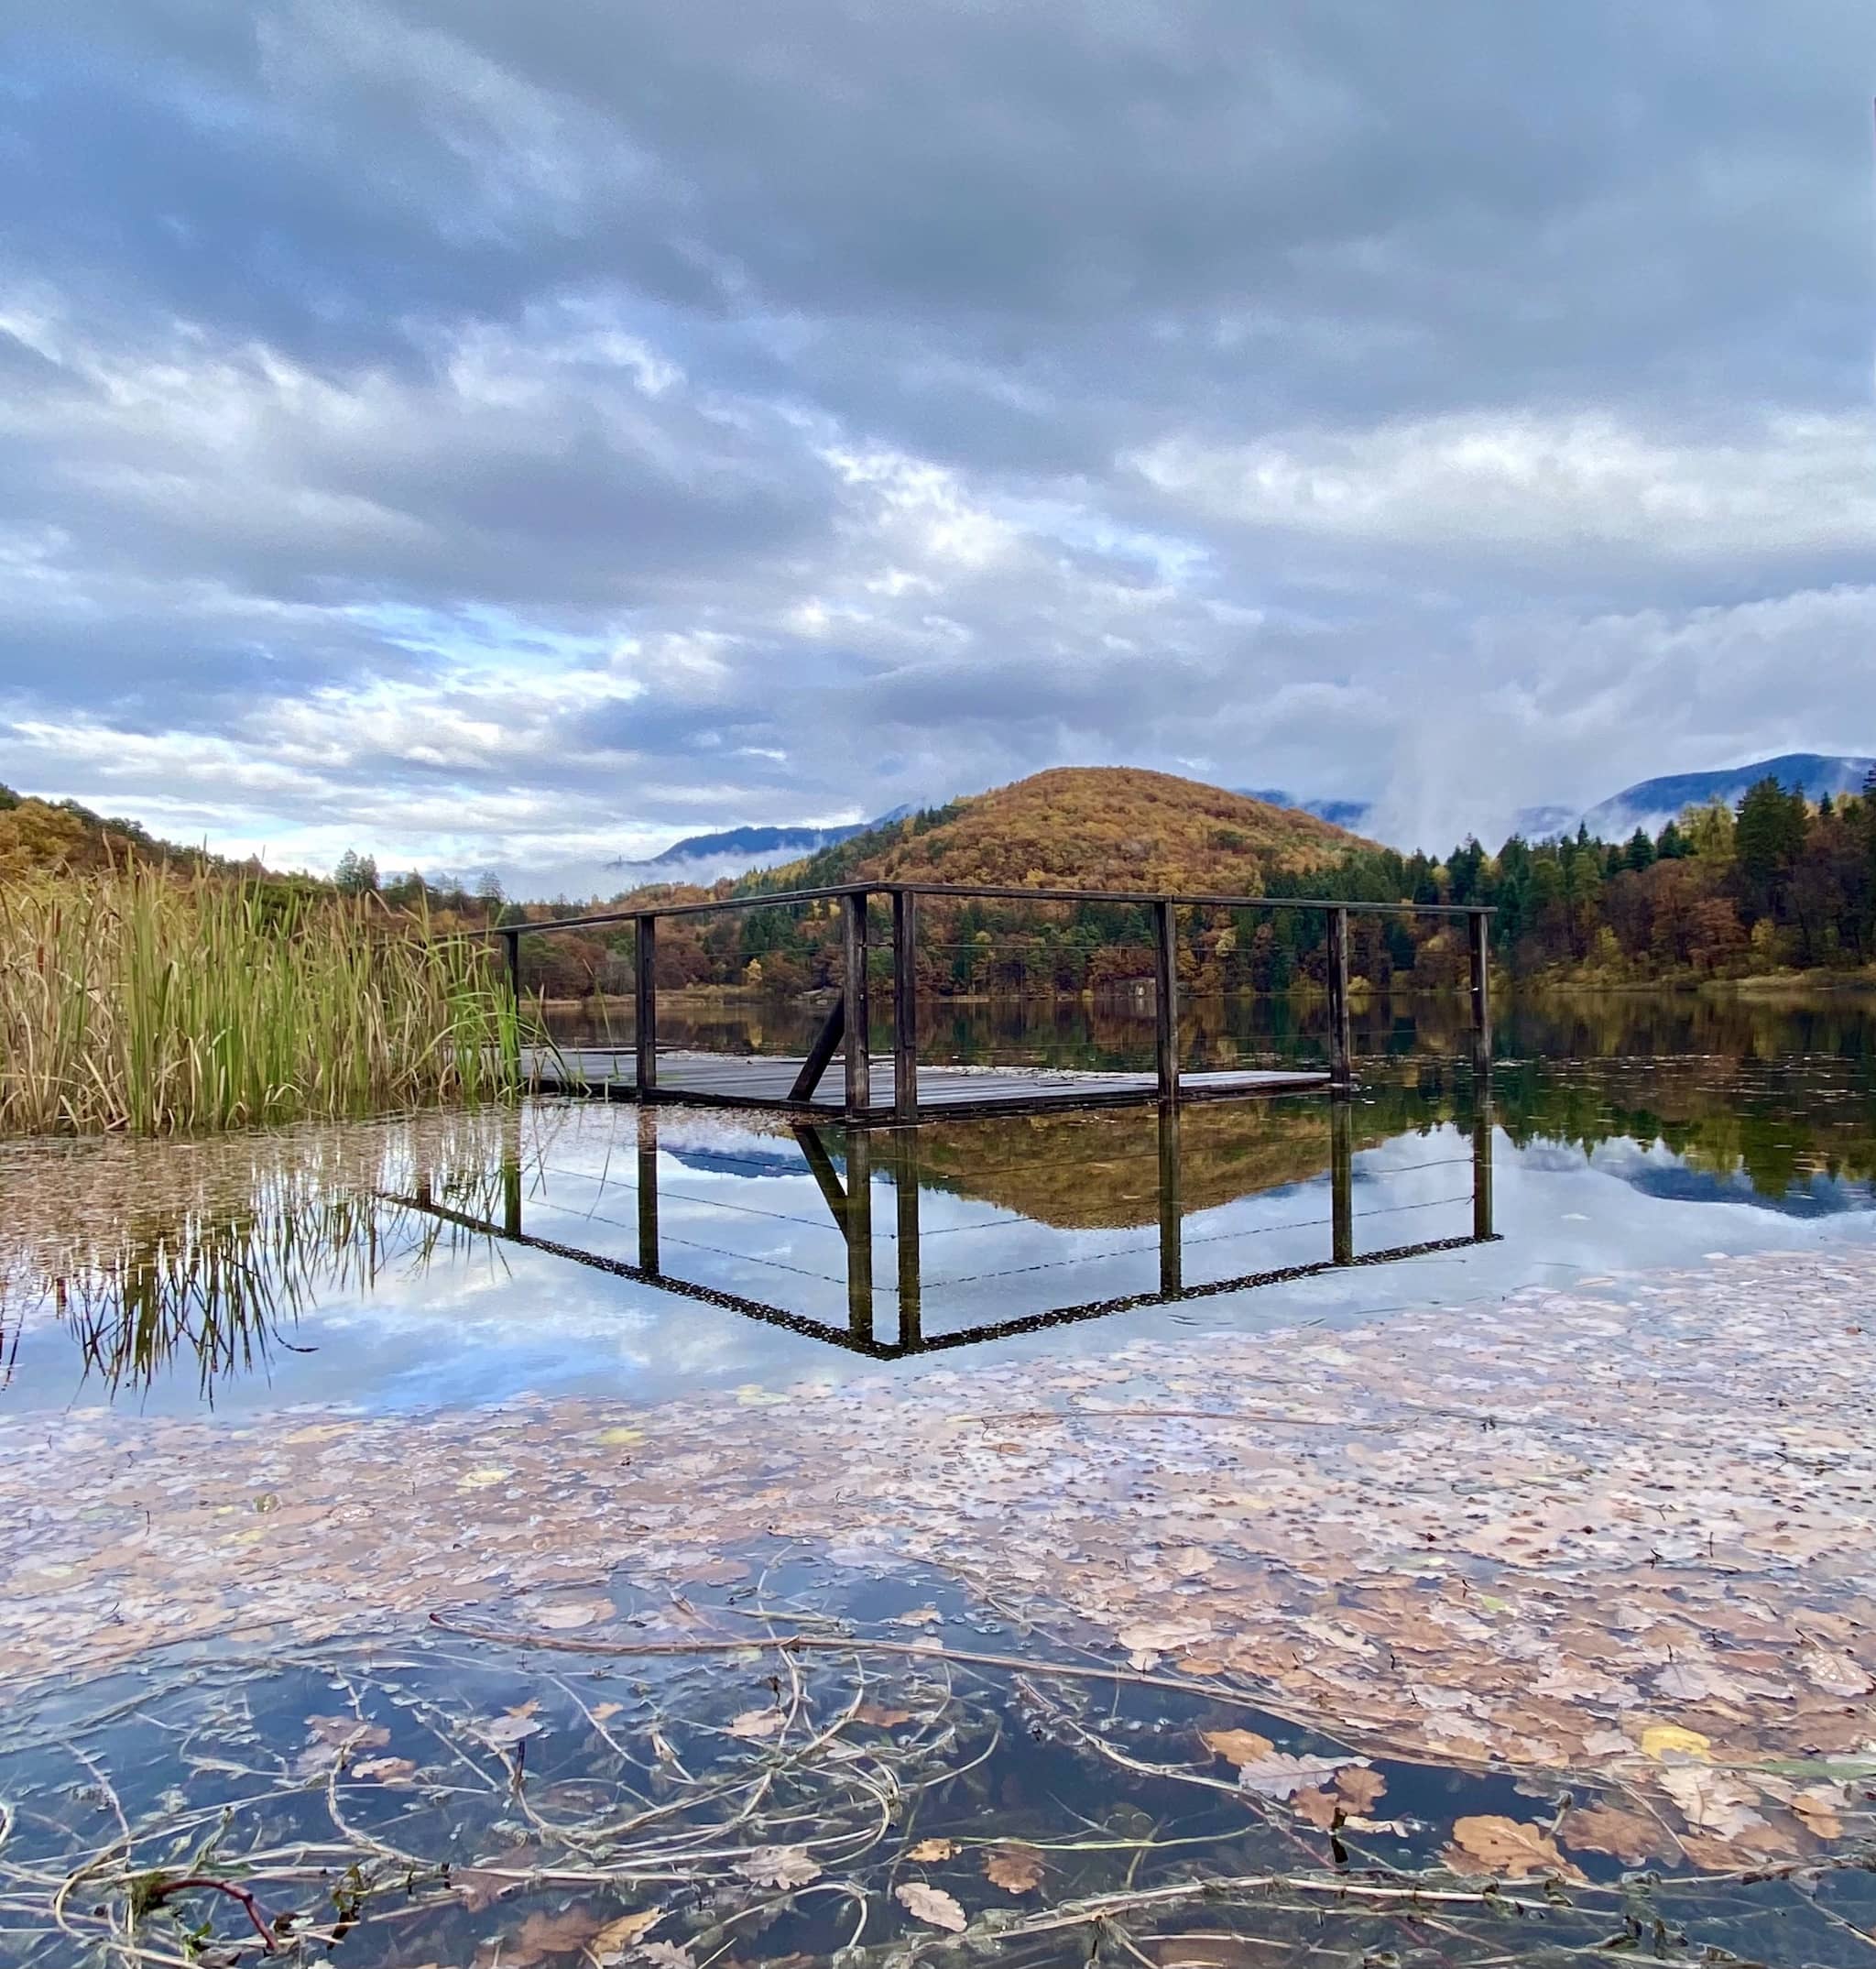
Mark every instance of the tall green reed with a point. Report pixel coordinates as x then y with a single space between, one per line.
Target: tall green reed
141 1000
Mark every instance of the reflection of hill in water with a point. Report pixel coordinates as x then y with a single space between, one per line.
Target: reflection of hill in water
1096 1171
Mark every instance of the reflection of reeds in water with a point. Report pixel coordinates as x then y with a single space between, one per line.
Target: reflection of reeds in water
149 1253
140 1000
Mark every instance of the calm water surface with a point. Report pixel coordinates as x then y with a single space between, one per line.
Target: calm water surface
463 1259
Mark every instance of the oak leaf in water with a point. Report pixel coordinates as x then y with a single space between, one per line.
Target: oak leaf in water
1662 1741
758 1722
1835 1673
1711 1799
1015 1868
348 1730
1629 1836
918 1617
880 1717
666 1955
1360 1788
1280 1775
387 1770
1816 1806
1237 1746
503 1732
575 1614
933 1849
932 1905
782 1867
610 1944
1489 1843
1318 1807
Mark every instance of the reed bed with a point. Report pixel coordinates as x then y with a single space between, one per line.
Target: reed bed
139 1000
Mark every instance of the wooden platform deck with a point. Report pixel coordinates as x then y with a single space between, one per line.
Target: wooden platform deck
726 1080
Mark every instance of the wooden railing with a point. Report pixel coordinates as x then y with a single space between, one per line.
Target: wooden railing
847 1027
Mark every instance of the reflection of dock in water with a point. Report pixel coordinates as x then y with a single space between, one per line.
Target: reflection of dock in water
892 1295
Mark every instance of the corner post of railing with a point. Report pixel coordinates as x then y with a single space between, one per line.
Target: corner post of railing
512 939
1479 926
645 1003
859 1062
905 1005
1341 1046
1166 999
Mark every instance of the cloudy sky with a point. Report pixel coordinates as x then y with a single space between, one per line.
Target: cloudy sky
513 436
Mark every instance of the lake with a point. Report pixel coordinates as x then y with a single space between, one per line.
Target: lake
570 1535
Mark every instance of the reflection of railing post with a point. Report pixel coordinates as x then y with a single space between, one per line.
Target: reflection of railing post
1342 1179
905 1183
647 1188
1171 1256
1480 928
859 1064
859 1235
1340 1045
1481 1162
511 1192
1166 1000
645 1003
905 1005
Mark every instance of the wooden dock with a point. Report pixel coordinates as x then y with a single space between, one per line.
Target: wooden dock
896 1088
720 1080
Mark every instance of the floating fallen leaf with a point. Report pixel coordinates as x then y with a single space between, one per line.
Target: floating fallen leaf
1280 1775
504 1732
1712 1799
1630 1836
933 1849
387 1770
482 1480
666 1955
604 1712
932 1905
348 1730
918 1617
541 1937
1817 1806
1318 1807
1237 1746
1015 1868
1835 1673
1359 1787
1665 1739
758 1722
531 1707
1493 1844
481 1886
612 1943
575 1614
1192 1562
621 1438
881 1718
784 1867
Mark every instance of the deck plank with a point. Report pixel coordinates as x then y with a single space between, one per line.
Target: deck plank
767 1080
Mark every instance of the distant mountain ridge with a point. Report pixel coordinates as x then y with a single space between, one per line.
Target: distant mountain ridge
1652 803
755 847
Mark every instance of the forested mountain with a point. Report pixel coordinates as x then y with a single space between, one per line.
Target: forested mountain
1652 803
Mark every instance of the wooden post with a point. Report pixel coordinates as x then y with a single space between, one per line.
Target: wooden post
1166 1000
645 1003
859 1064
905 1005
905 1182
859 1233
1341 1180
512 1045
647 1189
1340 1046
511 1194
1480 928
826 1044
1172 1254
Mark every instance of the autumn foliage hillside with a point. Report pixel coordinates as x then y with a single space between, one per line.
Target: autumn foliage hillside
1112 827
